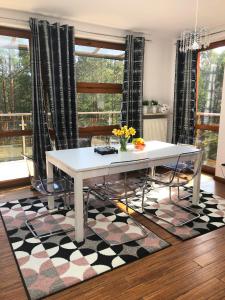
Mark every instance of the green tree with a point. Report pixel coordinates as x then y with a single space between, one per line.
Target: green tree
15 80
210 96
101 70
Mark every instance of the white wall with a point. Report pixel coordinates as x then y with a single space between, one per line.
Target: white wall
158 72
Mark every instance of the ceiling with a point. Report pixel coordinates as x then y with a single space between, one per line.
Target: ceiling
165 16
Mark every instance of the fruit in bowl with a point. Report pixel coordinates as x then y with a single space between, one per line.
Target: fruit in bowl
139 143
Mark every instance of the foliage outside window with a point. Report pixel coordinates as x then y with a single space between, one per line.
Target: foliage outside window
100 70
210 84
15 96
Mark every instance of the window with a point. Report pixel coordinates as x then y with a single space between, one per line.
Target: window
209 91
99 73
99 67
15 102
15 94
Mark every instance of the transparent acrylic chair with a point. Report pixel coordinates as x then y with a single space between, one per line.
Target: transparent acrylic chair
124 188
81 142
178 175
52 188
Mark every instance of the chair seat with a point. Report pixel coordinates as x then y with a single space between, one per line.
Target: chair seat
50 186
171 177
184 167
116 190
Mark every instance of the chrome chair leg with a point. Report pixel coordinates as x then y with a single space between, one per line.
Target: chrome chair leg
170 193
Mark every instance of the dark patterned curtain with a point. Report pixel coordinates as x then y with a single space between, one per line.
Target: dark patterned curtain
54 88
185 96
131 112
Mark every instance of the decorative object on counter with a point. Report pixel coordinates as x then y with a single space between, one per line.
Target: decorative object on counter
154 106
105 150
145 104
139 143
164 108
124 134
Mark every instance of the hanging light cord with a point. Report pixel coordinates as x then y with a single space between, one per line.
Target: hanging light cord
196 16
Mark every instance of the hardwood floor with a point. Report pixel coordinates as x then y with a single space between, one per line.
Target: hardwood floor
194 269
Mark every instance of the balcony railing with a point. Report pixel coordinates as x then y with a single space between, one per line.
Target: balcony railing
16 130
207 128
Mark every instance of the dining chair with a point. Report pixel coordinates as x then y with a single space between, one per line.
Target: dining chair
71 143
53 188
124 188
183 141
177 175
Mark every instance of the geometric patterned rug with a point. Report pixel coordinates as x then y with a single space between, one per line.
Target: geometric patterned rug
211 209
51 264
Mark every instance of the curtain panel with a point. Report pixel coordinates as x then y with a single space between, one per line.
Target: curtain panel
184 109
131 111
54 87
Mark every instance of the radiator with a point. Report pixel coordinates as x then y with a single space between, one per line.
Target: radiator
155 129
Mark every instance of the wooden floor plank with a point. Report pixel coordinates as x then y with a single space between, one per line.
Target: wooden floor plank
211 256
209 289
186 283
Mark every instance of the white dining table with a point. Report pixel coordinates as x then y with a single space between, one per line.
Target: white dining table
84 163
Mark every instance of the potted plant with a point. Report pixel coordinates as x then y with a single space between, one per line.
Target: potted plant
145 106
154 105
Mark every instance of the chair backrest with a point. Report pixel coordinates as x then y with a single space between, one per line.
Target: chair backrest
34 175
72 143
187 166
30 165
142 173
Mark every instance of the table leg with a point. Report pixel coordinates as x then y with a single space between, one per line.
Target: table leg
196 184
49 170
79 209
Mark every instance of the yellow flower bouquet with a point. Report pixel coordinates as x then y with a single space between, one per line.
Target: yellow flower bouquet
124 133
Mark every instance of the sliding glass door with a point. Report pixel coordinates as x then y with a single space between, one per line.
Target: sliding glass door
99 71
15 104
209 97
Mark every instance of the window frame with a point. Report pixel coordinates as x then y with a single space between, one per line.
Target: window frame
211 127
82 87
99 88
19 33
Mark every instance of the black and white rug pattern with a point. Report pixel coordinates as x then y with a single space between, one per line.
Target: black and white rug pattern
157 204
49 265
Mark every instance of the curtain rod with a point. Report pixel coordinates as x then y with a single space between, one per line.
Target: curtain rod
79 30
111 35
216 32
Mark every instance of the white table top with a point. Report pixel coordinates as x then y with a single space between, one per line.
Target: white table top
84 159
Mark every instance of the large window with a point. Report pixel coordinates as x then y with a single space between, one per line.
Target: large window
99 73
210 83
15 95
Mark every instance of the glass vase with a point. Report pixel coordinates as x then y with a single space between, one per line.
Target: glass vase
123 144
